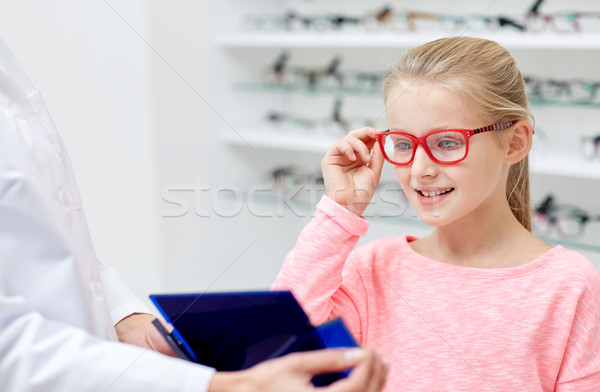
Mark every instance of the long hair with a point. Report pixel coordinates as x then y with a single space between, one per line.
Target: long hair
484 74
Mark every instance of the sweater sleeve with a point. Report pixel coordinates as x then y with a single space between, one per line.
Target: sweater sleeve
312 271
580 368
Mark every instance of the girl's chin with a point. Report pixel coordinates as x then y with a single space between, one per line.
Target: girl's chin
434 216
435 222
434 211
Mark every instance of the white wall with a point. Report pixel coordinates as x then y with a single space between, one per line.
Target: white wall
193 108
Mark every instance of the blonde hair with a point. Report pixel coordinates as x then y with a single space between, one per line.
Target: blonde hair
484 74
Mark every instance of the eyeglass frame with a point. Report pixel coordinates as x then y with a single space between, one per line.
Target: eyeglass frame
580 217
467 133
535 88
553 213
594 143
548 19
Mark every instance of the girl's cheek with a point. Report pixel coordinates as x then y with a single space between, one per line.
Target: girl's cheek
402 176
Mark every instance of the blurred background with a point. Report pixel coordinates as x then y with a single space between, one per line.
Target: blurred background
196 128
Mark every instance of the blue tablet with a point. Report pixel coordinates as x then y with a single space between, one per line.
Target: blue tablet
236 330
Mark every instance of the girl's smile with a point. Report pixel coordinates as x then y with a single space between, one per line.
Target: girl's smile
430 196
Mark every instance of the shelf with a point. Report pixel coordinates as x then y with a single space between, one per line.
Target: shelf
287 140
387 40
574 104
572 166
326 90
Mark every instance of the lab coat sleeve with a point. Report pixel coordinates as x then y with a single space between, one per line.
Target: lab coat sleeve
121 301
39 355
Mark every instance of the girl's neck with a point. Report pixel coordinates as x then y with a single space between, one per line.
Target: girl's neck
491 240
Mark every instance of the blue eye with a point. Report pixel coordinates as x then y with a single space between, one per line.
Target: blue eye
403 145
448 144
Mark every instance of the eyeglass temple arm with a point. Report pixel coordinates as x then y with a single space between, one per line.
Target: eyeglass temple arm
504 21
535 8
493 127
546 205
279 64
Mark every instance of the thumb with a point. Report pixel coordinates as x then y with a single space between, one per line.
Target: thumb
377 160
329 360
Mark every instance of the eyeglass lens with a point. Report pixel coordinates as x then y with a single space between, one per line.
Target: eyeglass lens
560 22
591 147
567 224
444 146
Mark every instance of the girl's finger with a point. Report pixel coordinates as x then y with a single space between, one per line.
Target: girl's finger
377 160
365 134
342 147
359 147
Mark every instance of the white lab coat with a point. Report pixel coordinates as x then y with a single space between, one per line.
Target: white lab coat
58 303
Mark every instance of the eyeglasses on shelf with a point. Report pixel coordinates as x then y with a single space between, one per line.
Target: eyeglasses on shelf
591 147
293 21
385 18
401 20
576 91
559 22
328 76
336 123
567 221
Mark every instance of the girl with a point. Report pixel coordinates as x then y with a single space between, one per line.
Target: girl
480 304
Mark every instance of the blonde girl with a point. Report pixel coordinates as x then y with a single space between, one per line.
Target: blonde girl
480 304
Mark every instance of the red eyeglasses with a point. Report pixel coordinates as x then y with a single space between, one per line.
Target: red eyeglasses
447 146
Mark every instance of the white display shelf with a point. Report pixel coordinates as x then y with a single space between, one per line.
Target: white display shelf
287 140
571 166
374 40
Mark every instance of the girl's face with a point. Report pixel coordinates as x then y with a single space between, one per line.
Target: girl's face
442 194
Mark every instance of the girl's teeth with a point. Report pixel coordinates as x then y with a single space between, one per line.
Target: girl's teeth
436 193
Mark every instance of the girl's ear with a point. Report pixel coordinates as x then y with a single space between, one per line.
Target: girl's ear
519 143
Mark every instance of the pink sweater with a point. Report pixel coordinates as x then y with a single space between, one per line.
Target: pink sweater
443 327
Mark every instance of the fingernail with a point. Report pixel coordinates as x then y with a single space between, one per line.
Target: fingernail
354 353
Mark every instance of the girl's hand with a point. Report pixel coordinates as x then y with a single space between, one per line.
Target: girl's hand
351 173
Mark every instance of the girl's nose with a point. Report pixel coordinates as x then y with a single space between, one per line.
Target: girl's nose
422 165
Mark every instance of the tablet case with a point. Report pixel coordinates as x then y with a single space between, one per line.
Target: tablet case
234 331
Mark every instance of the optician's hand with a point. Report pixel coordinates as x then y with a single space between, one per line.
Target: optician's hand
294 372
137 329
351 173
